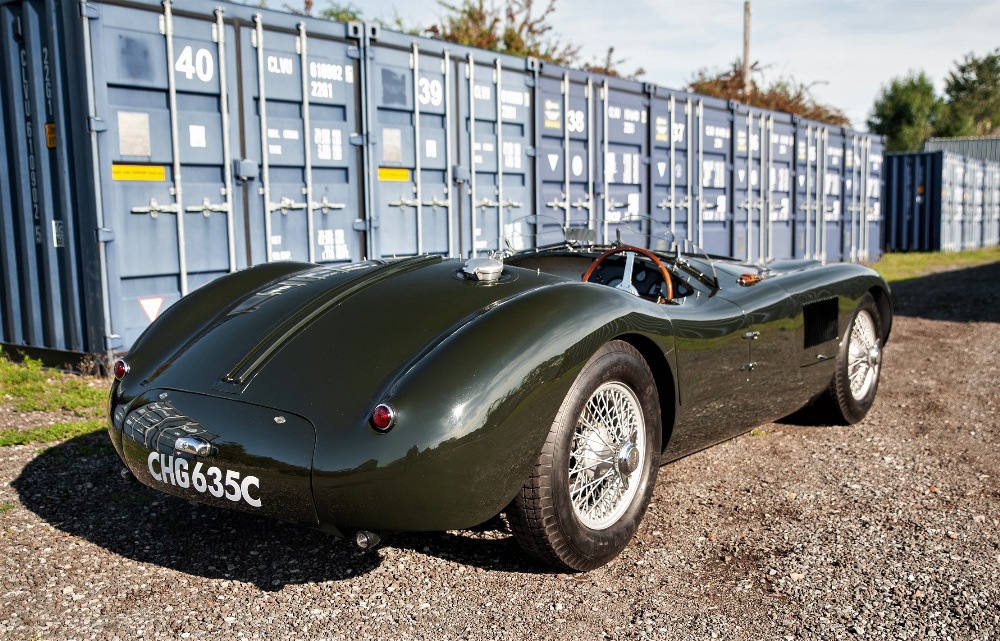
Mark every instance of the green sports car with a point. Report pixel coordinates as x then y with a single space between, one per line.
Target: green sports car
548 381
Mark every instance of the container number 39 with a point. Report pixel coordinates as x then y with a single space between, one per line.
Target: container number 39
429 92
198 63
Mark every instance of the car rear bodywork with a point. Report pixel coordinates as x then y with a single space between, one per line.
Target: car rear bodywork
278 368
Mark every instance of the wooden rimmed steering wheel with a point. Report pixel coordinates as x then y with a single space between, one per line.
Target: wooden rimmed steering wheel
639 250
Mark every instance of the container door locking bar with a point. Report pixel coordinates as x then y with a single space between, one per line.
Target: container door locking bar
207 207
154 209
285 205
325 205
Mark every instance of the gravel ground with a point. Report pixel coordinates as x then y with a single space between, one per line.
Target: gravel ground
887 529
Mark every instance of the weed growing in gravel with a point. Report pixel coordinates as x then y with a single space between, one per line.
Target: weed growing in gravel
28 387
49 433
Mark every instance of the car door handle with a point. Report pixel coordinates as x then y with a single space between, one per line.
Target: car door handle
193 445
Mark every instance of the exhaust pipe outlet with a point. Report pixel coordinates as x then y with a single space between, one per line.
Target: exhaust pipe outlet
366 540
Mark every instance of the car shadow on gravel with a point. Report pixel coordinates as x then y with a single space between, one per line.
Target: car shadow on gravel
75 486
965 295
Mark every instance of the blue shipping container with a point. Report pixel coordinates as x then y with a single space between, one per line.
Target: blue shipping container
152 146
941 201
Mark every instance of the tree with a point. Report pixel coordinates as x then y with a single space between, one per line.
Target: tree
341 12
973 96
784 94
514 30
609 66
906 112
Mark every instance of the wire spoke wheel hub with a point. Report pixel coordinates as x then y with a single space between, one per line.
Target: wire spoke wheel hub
864 356
608 452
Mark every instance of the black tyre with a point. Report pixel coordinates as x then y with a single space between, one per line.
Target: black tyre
859 363
587 493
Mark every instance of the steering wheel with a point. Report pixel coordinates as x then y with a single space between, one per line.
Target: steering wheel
627 276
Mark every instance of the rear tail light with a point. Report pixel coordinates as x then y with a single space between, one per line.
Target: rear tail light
120 369
383 418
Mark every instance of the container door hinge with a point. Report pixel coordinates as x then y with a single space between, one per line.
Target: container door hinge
360 224
113 342
96 125
89 10
105 235
359 139
354 53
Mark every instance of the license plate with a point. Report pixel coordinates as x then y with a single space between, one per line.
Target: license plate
206 479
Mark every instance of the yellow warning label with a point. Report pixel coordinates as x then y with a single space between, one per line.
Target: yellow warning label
50 135
394 174
139 172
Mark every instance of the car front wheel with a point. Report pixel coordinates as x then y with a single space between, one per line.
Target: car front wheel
587 493
859 363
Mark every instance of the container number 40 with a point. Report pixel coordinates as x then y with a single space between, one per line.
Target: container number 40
193 63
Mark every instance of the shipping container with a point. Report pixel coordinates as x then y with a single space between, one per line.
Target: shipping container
991 205
566 152
810 200
869 183
983 148
941 201
45 228
149 147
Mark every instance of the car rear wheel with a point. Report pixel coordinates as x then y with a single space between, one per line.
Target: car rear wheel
859 363
588 491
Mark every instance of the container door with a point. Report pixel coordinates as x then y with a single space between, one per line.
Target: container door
895 190
168 196
411 104
808 187
714 160
300 96
871 241
748 186
669 185
566 158
624 158
991 234
40 273
762 186
836 239
779 155
977 177
953 202
495 98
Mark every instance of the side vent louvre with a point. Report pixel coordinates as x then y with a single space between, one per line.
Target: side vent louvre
821 321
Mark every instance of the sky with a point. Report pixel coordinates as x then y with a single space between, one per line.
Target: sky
845 49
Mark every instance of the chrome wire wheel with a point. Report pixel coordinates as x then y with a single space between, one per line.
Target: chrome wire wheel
585 497
607 455
864 356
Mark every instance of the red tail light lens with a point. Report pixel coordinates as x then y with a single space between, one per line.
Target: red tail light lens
383 418
121 369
